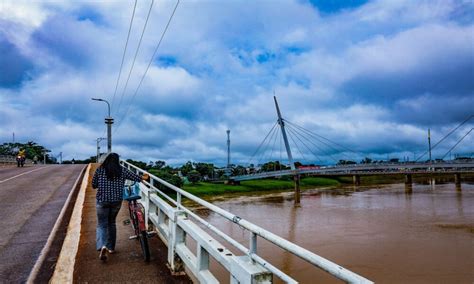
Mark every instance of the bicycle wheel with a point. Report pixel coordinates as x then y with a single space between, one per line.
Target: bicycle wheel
144 244
135 222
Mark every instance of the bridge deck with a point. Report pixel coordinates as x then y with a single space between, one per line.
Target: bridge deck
127 264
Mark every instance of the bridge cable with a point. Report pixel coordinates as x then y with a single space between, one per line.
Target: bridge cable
136 54
324 143
273 146
459 141
149 64
340 150
124 52
308 148
446 136
297 147
315 145
307 138
281 152
259 146
262 157
317 135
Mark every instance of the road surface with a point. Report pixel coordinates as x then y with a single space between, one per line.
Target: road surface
31 199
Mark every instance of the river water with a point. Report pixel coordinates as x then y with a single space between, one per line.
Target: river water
383 233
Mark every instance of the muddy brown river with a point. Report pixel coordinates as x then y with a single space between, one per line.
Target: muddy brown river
381 232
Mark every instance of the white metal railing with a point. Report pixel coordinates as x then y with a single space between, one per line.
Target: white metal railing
170 218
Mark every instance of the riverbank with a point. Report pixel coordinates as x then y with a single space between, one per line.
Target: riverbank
273 185
262 185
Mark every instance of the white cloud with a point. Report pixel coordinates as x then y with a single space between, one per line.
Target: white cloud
218 79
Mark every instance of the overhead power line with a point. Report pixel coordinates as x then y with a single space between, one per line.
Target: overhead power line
124 52
148 67
136 54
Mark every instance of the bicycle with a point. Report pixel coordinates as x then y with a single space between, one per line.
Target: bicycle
137 217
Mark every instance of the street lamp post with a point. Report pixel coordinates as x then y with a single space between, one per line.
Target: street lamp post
109 121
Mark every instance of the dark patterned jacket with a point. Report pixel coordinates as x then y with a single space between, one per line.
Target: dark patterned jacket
111 190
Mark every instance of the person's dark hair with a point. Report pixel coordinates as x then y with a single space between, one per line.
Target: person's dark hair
112 166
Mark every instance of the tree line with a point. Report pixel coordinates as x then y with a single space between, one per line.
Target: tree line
32 150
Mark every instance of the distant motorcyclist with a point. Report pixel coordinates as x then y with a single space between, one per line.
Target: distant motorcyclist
21 157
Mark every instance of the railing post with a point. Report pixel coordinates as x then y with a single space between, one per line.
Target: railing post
202 259
176 236
253 243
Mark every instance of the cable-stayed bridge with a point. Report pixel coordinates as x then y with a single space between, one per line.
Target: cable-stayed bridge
369 169
285 133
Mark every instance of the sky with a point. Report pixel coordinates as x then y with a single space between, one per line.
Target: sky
371 76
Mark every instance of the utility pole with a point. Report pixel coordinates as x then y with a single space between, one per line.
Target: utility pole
109 121
429 143
228 149
13 137
283 133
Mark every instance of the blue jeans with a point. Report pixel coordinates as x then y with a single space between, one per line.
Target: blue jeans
106 233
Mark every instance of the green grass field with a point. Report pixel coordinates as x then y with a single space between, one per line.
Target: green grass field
206 188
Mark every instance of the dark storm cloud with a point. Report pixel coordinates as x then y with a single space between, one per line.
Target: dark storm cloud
71 41
15 66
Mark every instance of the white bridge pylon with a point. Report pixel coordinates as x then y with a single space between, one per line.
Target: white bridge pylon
283 133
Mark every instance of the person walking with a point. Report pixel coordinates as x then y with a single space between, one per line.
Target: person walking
109 180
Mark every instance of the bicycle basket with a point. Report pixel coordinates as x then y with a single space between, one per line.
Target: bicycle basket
131 192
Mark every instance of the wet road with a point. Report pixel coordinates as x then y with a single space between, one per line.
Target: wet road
31 199
382 233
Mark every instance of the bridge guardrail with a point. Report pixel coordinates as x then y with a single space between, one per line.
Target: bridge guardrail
7 159
173 223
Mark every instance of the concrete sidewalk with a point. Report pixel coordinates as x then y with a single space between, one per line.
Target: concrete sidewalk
127 264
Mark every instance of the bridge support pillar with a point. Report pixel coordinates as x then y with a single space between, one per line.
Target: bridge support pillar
408 179
356 179
297 189
457 179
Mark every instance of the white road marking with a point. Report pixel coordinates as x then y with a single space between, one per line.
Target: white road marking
23 174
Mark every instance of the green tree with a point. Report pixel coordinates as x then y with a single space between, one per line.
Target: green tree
194 176
186 168
273 166
205 169
239 170
168 177
139 164
159 165
32 149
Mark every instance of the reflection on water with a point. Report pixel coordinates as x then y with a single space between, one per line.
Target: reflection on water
421 233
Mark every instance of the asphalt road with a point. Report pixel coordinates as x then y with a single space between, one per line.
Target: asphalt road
31 199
